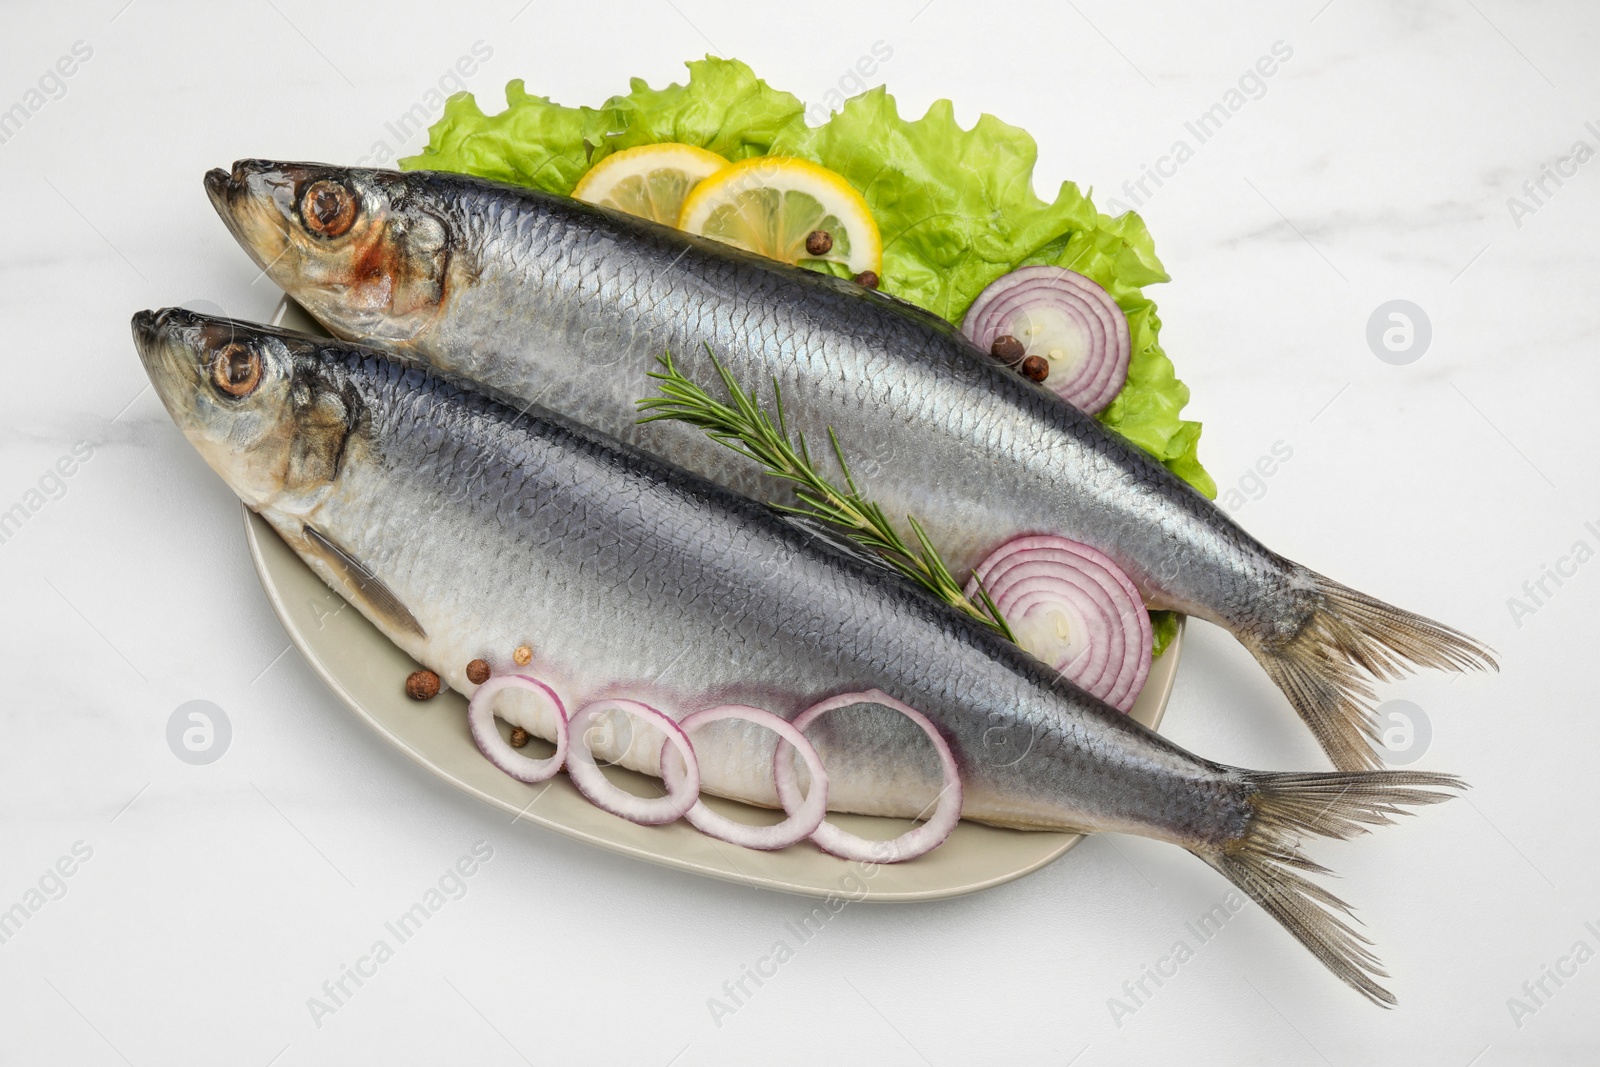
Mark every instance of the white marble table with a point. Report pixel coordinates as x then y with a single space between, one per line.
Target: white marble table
207 904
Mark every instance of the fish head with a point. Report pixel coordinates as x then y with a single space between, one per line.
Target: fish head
265 410
362 250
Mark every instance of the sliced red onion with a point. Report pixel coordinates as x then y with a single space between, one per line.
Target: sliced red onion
912 843
646 811
801 823
1067 319
1072 607
480 718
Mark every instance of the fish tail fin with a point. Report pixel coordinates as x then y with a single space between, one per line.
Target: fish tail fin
1266 863
1326 667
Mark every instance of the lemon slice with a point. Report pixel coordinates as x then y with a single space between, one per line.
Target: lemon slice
771 204
650 181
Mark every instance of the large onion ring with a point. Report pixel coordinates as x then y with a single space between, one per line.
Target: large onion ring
646 811
1106 651
1055 310
912 843
800 824
480 718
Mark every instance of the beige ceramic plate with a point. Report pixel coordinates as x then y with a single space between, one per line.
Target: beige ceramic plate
367 673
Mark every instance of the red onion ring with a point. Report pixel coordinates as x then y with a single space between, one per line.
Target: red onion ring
1022 303
480 718
800 824
1106 651
646 811
912 843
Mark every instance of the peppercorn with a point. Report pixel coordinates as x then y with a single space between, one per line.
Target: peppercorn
478 671
1036 368
519 737
867 278
422 685
522 656
819 242
1008 349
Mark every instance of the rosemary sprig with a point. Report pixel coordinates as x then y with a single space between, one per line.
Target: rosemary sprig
745 428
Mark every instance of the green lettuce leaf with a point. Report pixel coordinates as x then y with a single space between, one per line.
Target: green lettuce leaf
956 207
725 108
1164 627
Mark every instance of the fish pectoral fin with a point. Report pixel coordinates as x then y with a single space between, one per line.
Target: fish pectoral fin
362 584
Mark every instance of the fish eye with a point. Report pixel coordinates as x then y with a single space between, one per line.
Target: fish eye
237 370
328 209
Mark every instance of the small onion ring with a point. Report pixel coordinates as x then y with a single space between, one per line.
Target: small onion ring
800 824
1090 383
1033 574
480 718
646 811
1039 571
912 843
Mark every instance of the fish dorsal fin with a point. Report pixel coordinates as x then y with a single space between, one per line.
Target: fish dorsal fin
362 584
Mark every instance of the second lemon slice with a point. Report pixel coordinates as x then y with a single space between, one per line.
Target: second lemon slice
650 181
771 204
